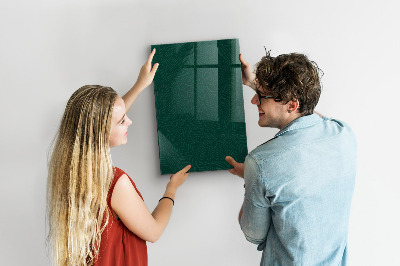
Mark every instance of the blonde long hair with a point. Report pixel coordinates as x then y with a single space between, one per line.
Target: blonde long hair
80 174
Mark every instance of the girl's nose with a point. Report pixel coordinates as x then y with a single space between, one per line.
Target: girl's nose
129 122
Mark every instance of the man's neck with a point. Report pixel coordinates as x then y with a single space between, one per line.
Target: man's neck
289 120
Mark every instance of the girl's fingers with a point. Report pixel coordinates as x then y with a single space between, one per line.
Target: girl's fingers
186 168
153 71
151 56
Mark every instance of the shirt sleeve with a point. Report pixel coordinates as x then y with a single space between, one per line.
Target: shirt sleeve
256 217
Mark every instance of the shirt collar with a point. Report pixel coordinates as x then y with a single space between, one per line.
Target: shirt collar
301 122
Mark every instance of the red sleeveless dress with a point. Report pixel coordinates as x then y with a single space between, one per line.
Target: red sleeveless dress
119 246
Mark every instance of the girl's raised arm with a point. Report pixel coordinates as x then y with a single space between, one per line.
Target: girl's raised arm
145 78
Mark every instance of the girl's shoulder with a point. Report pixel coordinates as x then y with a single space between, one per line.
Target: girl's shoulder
118 172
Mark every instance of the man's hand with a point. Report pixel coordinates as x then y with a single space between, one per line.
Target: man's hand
238 168
248 76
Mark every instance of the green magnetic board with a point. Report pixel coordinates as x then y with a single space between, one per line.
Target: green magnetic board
199 105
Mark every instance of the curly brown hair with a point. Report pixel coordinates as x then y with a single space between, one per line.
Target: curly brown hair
290 77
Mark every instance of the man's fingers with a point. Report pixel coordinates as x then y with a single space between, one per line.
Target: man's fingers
244 62
230 160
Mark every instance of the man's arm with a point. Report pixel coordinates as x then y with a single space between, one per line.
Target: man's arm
254 216
318 114
240 213
248 75
238 169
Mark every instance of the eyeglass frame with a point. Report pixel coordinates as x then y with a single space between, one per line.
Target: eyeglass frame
276 99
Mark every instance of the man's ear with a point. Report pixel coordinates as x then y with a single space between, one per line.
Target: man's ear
293 105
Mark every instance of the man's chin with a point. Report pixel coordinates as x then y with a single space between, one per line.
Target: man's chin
262 123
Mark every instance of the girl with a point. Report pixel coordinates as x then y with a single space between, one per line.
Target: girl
96 214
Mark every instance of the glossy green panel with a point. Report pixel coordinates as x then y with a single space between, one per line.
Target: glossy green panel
199 105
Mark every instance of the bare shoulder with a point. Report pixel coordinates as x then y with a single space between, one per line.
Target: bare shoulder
124 180
124 191
131 209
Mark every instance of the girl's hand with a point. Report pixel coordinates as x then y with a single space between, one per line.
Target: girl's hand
145 78
179 178
146 74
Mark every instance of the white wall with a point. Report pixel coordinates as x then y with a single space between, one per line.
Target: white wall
49 49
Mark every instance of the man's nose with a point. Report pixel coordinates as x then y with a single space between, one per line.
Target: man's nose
254 100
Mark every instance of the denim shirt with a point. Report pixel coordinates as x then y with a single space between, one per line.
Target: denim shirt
298 191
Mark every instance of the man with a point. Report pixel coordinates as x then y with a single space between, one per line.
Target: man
299 184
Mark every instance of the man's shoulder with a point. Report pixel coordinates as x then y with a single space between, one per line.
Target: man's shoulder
336 128
294 140
272 148
266 155
265 150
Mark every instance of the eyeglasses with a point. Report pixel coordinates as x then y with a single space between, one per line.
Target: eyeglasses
276 99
